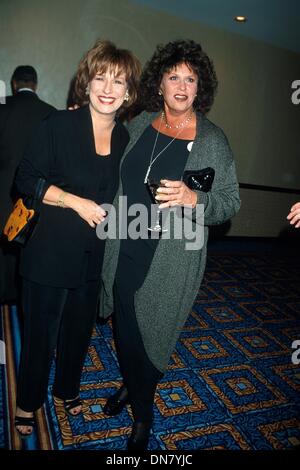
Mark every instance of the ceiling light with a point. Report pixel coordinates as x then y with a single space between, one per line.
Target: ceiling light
240 19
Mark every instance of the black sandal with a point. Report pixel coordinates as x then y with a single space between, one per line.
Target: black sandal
115 403
140 436
24 421
70 404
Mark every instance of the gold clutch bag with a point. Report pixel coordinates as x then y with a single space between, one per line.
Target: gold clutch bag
20 222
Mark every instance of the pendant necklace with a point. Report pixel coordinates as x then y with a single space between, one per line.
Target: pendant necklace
152 160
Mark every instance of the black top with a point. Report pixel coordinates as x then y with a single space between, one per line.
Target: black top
63 152
106 175
170 165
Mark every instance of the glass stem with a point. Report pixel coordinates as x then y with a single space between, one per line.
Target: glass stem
157 217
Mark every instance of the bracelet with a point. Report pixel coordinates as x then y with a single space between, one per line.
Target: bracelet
61 200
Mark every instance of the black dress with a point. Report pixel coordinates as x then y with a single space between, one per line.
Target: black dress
140 375
106 174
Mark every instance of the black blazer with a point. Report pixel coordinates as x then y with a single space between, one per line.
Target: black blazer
63 152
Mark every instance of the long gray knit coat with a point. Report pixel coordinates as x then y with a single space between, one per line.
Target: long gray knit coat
169 290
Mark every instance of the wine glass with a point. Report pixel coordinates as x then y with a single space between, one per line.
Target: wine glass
153 186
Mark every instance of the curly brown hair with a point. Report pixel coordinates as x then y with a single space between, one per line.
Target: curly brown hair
102 56
165 58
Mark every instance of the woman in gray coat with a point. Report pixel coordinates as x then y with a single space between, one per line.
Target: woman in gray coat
151 282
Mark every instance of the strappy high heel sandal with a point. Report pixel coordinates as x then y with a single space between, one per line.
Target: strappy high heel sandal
24 421
71 404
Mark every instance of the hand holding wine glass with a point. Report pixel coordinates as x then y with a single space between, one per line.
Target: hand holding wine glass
175 193
153 186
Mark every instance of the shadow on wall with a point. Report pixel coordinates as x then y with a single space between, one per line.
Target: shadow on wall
217 232
72 98
290 234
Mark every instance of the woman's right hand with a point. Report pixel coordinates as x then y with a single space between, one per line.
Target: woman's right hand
294 215
89 211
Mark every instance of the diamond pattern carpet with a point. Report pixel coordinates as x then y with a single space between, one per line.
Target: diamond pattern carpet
231 383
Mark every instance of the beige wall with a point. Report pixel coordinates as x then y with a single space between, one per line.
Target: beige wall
263 213
253 105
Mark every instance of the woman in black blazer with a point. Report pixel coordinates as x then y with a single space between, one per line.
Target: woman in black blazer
75 156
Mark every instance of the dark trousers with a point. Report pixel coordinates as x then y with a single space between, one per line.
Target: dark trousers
140 375
54 318
9 278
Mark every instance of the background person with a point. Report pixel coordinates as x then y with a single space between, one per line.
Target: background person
19 118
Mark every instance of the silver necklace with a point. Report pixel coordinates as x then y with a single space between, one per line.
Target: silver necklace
177 126
152 160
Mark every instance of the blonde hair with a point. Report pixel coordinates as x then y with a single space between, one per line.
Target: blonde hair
103 56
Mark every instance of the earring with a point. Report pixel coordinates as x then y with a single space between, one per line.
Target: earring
126 97
87 90
160 93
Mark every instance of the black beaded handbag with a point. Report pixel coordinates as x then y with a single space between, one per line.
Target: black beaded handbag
199 180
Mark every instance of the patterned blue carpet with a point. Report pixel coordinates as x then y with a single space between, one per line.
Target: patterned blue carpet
231 383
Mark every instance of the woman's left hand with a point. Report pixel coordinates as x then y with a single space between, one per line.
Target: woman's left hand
175 193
